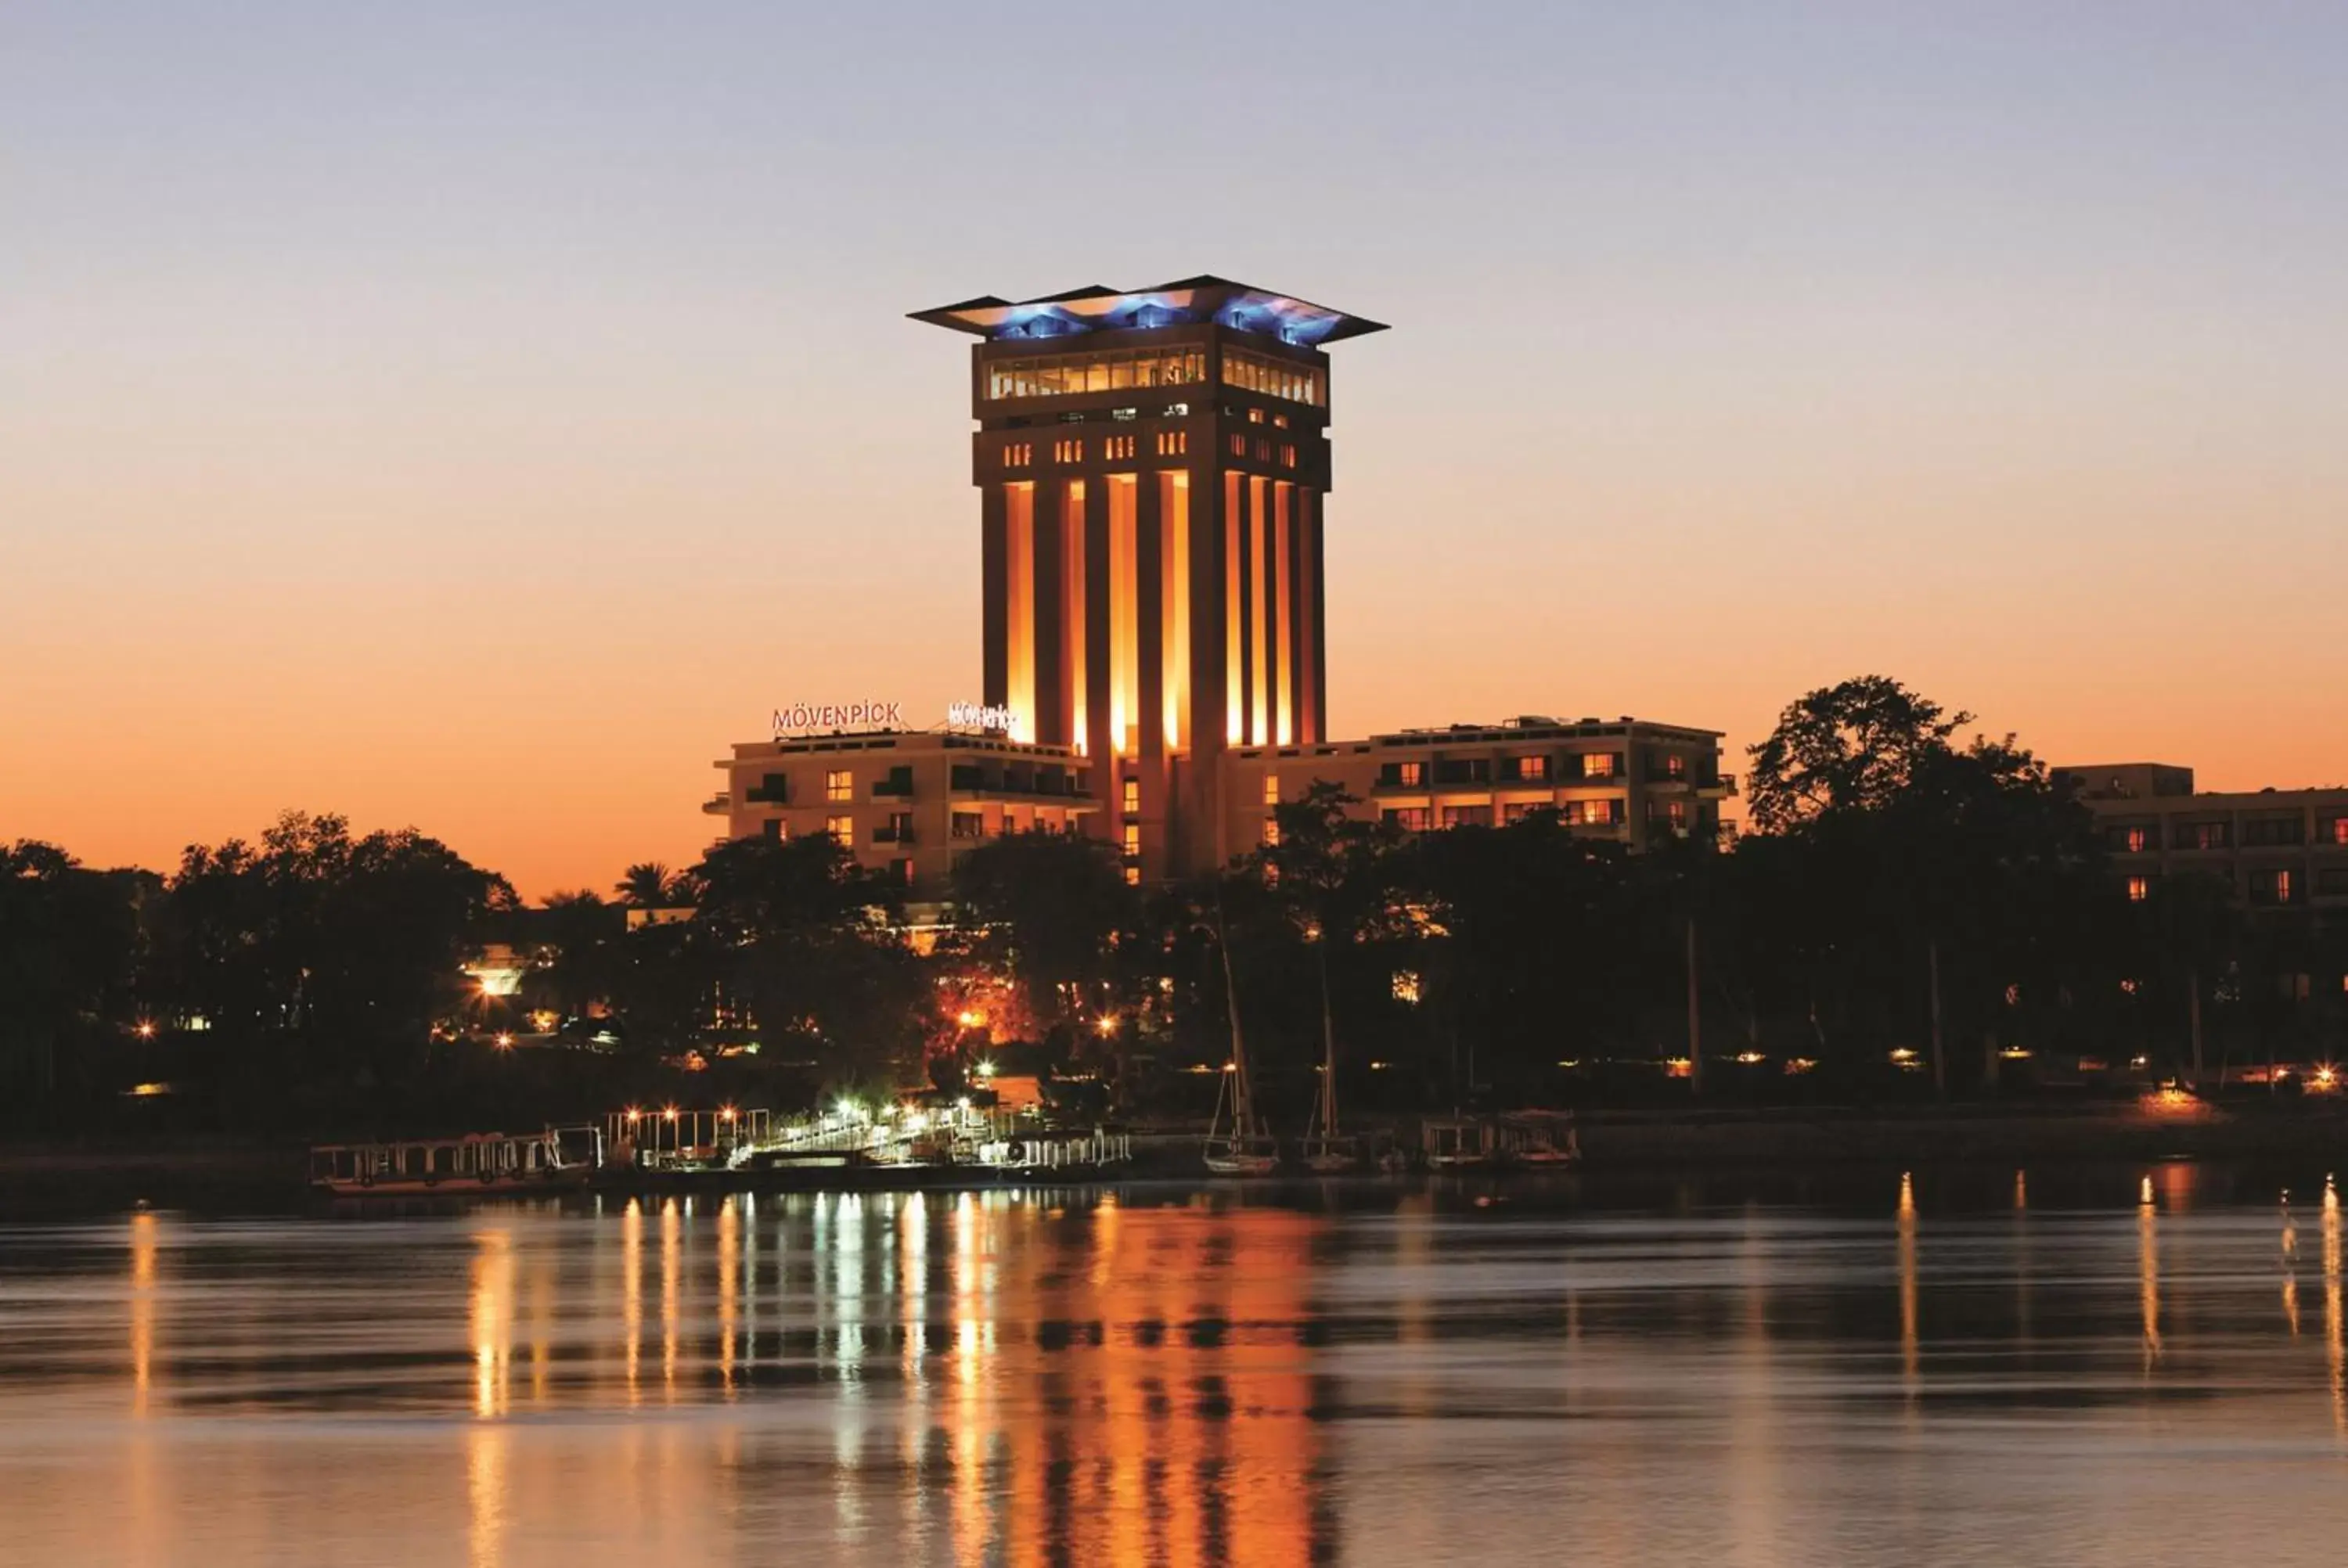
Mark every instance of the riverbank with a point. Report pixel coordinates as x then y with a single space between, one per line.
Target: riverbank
226 1173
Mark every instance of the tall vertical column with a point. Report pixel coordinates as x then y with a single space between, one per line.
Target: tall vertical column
1174 535
1148 766
1020 501
1283 614
1231 594
1314 570
993 560
1075 623
1213 706
1050 574
1259 617
1098 743
1308 611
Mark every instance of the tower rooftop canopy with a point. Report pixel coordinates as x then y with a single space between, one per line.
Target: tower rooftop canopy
1192 300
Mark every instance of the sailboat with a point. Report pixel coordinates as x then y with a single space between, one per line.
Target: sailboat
1246 1149
1326 1149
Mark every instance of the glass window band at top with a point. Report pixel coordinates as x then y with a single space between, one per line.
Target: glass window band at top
1274 378
1063 375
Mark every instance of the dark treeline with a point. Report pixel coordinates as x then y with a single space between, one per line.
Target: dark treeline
1910 913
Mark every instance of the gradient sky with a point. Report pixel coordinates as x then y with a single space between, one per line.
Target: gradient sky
476 414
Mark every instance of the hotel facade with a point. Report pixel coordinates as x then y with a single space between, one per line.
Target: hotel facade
1154 475
2275 849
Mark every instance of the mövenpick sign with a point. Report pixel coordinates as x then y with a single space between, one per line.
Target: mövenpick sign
980 716
804 717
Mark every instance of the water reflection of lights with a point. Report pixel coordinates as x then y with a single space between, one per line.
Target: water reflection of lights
2289 1266
1910 1347
2335 1353
631 1291
729 1265
2147 1233
672 1280
492 1327
143 1243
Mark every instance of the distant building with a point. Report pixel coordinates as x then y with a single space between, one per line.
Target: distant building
2276 848
1626 780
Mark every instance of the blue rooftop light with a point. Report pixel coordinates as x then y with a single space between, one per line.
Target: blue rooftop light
1206 298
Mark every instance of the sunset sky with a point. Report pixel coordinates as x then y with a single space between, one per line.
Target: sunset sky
479 414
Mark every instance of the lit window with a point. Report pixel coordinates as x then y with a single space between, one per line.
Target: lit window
1533 770
2140 889
1067 374
838 785
842 830
1173 443
968 824
1280 422
1132 839
1255 417
1019 454
1263 451
1072 451
1409 818
1116 448
1410 775
1133 876
2138 840
1238 446
1271 789
2339 834
1467 816
1678 814
1518 809
1287 456
1597 765
1676 766
1272 377
1132 797
1271 832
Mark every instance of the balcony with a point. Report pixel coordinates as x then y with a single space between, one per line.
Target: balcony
774 793
894 835
718 804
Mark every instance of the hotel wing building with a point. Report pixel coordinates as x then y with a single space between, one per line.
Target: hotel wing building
1153 472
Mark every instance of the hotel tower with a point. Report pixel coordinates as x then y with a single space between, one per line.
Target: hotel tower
1153 473
1153 476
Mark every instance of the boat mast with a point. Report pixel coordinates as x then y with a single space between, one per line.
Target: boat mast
1328 1048
1243 1101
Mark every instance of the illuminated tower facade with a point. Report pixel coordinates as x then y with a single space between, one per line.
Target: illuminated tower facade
1153 468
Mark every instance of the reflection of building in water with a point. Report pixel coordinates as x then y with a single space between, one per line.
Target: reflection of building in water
1129 1385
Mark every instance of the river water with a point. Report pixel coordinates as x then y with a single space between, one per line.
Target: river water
2086 1368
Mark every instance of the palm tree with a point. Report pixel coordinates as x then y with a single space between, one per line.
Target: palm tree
649 885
